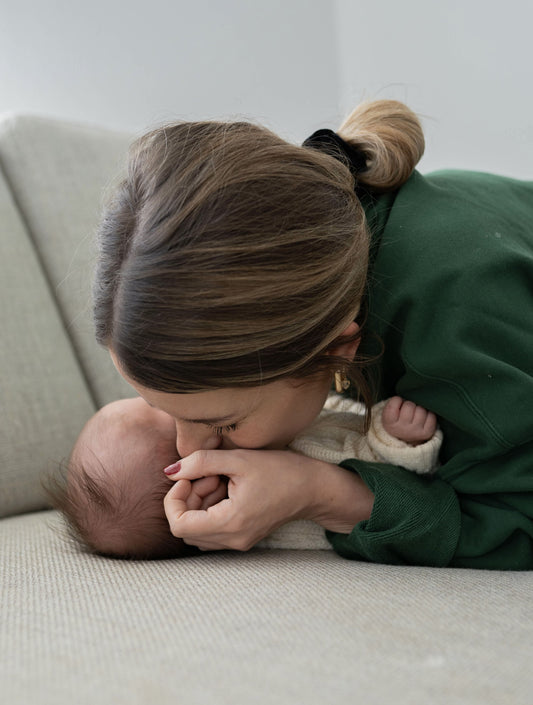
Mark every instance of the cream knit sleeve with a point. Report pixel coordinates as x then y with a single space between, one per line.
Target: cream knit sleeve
337 435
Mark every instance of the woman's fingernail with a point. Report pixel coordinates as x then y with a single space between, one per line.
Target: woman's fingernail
172 469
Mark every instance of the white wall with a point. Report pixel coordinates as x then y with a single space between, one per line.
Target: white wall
465 65
130 63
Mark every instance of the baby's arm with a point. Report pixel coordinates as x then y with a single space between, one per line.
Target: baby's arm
402 433
408 422
337 435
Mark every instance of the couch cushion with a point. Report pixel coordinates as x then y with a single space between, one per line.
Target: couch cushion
44 399
266 627
58 173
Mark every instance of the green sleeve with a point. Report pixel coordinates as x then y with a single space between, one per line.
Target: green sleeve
497 520
420 520
415 520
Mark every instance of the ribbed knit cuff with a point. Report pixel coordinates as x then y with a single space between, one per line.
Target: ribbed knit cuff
415 520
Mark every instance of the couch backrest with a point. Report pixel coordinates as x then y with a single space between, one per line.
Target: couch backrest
53 376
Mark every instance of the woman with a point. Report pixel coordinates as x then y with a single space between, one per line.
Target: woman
239 273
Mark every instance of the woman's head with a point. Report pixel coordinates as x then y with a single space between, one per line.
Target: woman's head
229 258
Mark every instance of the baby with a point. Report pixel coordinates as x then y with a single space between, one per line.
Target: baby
115 485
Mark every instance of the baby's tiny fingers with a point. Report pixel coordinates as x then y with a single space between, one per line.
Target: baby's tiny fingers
215 497
408 411
391 411
430 424
420 416
206 485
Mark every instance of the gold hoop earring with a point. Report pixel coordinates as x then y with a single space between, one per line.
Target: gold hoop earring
341 382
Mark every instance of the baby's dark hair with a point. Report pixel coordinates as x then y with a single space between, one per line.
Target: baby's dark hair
109 518
111 494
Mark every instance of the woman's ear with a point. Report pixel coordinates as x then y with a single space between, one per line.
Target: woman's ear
348 349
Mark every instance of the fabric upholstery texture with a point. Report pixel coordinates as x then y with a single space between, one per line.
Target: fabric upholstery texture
267 626
44 400
59 175
264 627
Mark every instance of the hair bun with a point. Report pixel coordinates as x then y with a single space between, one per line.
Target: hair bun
390 135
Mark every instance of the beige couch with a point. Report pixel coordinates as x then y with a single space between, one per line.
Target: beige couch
269 626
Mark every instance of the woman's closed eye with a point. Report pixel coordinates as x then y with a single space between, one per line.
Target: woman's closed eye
221 430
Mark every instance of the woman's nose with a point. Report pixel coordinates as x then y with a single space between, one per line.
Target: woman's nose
191 437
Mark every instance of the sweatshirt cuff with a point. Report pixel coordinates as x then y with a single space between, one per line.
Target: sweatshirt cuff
415 520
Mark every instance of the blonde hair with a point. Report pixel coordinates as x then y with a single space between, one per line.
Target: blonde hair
390 136
229 257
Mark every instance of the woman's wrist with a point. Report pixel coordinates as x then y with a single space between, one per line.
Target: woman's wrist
340 498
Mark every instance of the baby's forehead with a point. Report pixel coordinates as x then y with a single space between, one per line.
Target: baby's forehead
120 419
110 427
124 412
126 434
114 430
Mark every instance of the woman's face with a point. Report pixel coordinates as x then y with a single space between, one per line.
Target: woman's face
269 416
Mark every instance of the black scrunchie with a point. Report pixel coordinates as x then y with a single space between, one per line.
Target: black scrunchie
328 141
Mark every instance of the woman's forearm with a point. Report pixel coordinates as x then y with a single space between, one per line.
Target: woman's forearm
340 498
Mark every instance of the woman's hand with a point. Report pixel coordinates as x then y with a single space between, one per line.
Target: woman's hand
266 488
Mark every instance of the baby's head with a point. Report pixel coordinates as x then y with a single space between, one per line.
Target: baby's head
113 494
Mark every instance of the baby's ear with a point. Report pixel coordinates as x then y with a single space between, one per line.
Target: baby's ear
348 349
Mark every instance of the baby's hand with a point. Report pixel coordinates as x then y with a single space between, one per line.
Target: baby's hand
202 493
408 422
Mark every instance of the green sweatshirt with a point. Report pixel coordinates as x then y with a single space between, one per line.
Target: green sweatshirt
451 297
